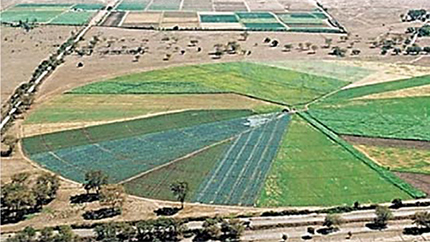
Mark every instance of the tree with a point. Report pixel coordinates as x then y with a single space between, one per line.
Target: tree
284 237
94 180
211 228
328 42
45 188
337 51
126 232
331 221
65 234
288 47
308 45
112 196
106 232
397 203
300 46
26 235
422 219
383 214
20 178
180 191
314 49
232 229
47 235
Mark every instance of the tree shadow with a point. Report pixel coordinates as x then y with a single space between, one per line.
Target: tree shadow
415 231
325 231
167 211
84 198
375 226
101 213
15 216
306 237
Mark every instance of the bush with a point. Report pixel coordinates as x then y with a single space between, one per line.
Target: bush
101 213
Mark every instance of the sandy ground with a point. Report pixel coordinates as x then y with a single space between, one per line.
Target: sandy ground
22 52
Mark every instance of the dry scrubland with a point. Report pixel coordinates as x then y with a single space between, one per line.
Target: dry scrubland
23 51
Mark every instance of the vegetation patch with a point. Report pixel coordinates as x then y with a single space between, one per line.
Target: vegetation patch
88 6
218 18
165 5
268 83
133 5
312 169
73 18
194 169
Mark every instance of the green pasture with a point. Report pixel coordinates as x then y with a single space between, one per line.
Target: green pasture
88 6
40 16
193 170
119 130
270 83
129 5
311 169
73 18
398 118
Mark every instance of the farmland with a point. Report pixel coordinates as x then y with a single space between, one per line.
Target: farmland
328 175
64 14
239 175
270 83
401 159
123 154
399 118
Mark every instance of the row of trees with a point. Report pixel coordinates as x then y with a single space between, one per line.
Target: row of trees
24 195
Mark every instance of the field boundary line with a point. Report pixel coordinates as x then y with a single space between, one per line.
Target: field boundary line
123 19
176 160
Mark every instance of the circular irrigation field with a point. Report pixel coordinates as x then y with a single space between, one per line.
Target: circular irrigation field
227 130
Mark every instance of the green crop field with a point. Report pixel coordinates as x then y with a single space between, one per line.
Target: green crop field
88 6
398 118
133 5
119 130
73 18
311 169
218 18
40 16
270 83
194 170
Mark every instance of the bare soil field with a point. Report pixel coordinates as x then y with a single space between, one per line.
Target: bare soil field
22 52
114 19
420 181
137 18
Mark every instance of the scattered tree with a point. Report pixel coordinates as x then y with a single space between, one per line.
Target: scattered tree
331 221
383 214
180 191
422 219
94 180
288 47
112 196
232 229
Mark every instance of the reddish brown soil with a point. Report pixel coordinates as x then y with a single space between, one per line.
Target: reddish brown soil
387 142
420 181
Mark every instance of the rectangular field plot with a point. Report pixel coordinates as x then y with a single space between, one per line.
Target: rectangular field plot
302 18
133 5
237 26
156 184
312 169
73 18
14 15
260 21
130 156
142 19
88 6
232 6
238 176
180 19
165 5
120 130
114 19
268 5
197 5
218 18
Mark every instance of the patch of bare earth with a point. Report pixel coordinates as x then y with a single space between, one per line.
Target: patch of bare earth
387 142
420 181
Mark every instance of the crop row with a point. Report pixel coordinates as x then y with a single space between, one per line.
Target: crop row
240 173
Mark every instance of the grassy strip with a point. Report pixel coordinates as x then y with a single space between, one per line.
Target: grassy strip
193 170
387 175
112 131
380 87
